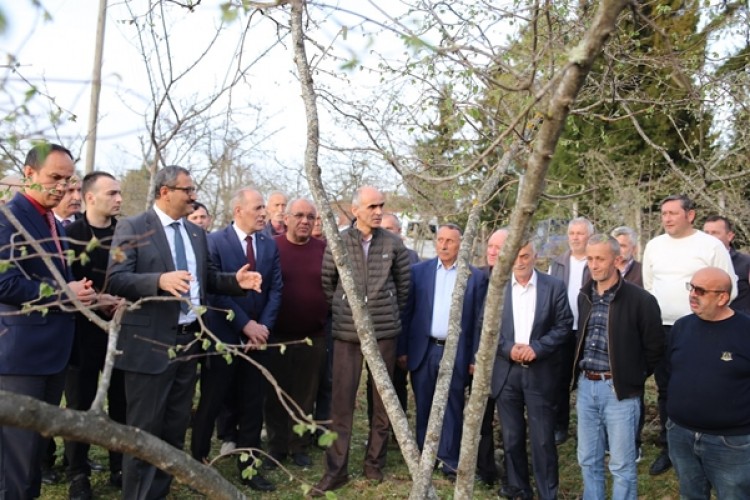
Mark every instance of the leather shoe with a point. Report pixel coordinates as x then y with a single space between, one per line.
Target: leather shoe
115 479
49 476
661 465
259 483
80 488
513 493
374 475
560 437
301 459
272 461
95 466
328 483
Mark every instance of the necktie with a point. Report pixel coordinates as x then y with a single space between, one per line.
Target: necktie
180 258
55 236
250 252
65 222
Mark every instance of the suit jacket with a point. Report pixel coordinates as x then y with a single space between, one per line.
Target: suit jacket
634 274
146 256
229 255
551 327
417 317
560 269
34 343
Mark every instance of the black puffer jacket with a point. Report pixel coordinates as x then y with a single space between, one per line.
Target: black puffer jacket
383 280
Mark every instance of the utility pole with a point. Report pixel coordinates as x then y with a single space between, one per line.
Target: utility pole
96 87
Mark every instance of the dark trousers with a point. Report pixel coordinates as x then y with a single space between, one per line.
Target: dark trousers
661 376
159 404
567 355
297 373
516 396
486 467
226 422
80 391
252 386
325 380
218 382
21 450
347 370
399 385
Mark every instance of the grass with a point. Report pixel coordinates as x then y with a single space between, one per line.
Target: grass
397 481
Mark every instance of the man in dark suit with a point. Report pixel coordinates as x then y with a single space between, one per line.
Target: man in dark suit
254 314
536 322
34 346
158 256
425 330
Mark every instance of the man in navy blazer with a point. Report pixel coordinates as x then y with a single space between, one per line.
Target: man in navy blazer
160 255
423 338
536 322
254 315
34 346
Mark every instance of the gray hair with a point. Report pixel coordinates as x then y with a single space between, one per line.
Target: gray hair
167 176
239 196
395 217
450 225
598 239
289 205
584 221
626 231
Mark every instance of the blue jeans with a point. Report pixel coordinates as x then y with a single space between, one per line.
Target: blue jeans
703 461
602 418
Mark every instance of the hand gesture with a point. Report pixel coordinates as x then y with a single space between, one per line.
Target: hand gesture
249 280
176 283
84 290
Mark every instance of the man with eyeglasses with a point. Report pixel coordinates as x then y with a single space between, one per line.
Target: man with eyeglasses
302 319
670 260
35 345
708 358
162 260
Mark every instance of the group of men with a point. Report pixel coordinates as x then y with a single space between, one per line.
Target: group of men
599 322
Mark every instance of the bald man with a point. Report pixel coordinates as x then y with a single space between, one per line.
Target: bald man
708 358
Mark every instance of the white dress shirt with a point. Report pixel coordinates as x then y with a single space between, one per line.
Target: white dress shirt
524 308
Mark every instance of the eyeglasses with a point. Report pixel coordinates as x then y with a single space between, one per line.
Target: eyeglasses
188 190
700 291
300 216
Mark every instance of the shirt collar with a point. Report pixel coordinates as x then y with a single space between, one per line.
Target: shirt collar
165 219
39 208
452 266
532 281
242 235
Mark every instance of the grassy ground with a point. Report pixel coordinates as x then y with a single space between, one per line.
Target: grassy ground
397 483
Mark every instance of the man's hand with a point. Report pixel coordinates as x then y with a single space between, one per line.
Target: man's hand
522 353
107 303
176 283
249 280
84 290
256 334
401 361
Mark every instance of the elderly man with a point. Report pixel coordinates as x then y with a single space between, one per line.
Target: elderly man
721 228
276 209
302 315
381 270
425 332
630 269
69 208
571 268
536 323
708 357
670 260
161 254
620 343
34 346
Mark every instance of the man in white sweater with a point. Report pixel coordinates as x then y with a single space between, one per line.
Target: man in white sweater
669 262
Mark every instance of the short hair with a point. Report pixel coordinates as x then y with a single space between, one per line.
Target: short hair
685 203
288 210
625 231
167 176
356 200
198 204
38 154
599 238
450 225
395 217
583 221
239 196
717 218
87 184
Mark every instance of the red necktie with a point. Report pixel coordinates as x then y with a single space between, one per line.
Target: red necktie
250 252
55 236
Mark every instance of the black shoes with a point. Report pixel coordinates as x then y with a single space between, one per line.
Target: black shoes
259 483
80 488
301 459
560 437
661 465
49 476
115 479
328 483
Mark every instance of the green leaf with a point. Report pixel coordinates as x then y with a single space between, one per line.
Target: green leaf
331 495
200 310
282 348
5 265
228 358
230 315
308 341
327 438
244 457
220 347
46 290
299 429
171 353
306 489
84 258
206 344
92 244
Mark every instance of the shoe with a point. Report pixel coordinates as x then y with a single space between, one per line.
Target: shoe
259 483
486 479
374 475
80 488
95 466
661 465
49 476
227 447
513 493
301 459
560 437
272 460
328 483
639 455
115 479
449 475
